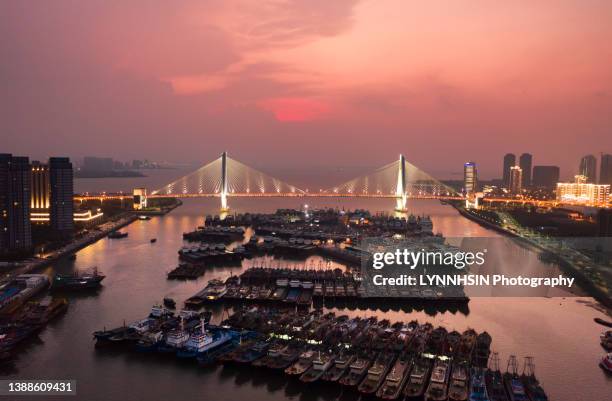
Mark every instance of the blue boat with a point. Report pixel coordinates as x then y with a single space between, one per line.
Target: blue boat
204 341
478 388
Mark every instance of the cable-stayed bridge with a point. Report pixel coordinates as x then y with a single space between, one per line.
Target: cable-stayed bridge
225 177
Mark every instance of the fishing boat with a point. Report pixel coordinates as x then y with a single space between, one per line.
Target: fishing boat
606 363
482 350
203 341
273 352
303 363
357 370
419 377
534 391
458 389
513 383
494 381
438 383
78 280
478 388
286 357
340 366
255 351
175 340
396 379
377 373
320 364
150 341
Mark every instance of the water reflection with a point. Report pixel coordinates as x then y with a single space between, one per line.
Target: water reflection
559 332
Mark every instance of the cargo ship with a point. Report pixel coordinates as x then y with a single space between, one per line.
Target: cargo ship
78 280
15 293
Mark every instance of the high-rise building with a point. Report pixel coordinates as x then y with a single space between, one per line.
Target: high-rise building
605 172
545 177
40 187
582 192
516 179
470 177
509 161
588 168
15 181
525 165
61 195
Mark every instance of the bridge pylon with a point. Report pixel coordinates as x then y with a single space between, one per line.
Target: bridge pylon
400 191
224 186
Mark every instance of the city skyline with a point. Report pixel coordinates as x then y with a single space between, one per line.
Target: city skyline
294 81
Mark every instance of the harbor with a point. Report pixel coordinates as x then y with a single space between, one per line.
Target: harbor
371 356
521 327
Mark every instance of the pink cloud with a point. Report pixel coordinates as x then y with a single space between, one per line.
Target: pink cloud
296 109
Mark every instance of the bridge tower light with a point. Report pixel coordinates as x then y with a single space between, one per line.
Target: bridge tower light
224 186
400 191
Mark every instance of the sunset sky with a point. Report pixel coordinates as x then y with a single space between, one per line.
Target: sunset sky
313 82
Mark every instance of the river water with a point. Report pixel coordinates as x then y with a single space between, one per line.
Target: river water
558 331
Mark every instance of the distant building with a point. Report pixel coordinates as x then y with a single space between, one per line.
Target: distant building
61 197
545 177
509 161
582 192
588 168
39 199
98 164
15 184
605 172
470 177
516 179
525 165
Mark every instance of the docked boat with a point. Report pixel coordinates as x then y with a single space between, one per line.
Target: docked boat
303 363
377 373
160 311
357 370
45 310
512 382
169 303
396 379
482 350
494 381
273 352
419 377
438 383
478 388
286 357
175 340
78 280
458 389
255 351
341 365
534 391
117 234
320 364
203 341
606 363
150 341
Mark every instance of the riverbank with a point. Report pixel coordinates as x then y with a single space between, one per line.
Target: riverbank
71 248
585 282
